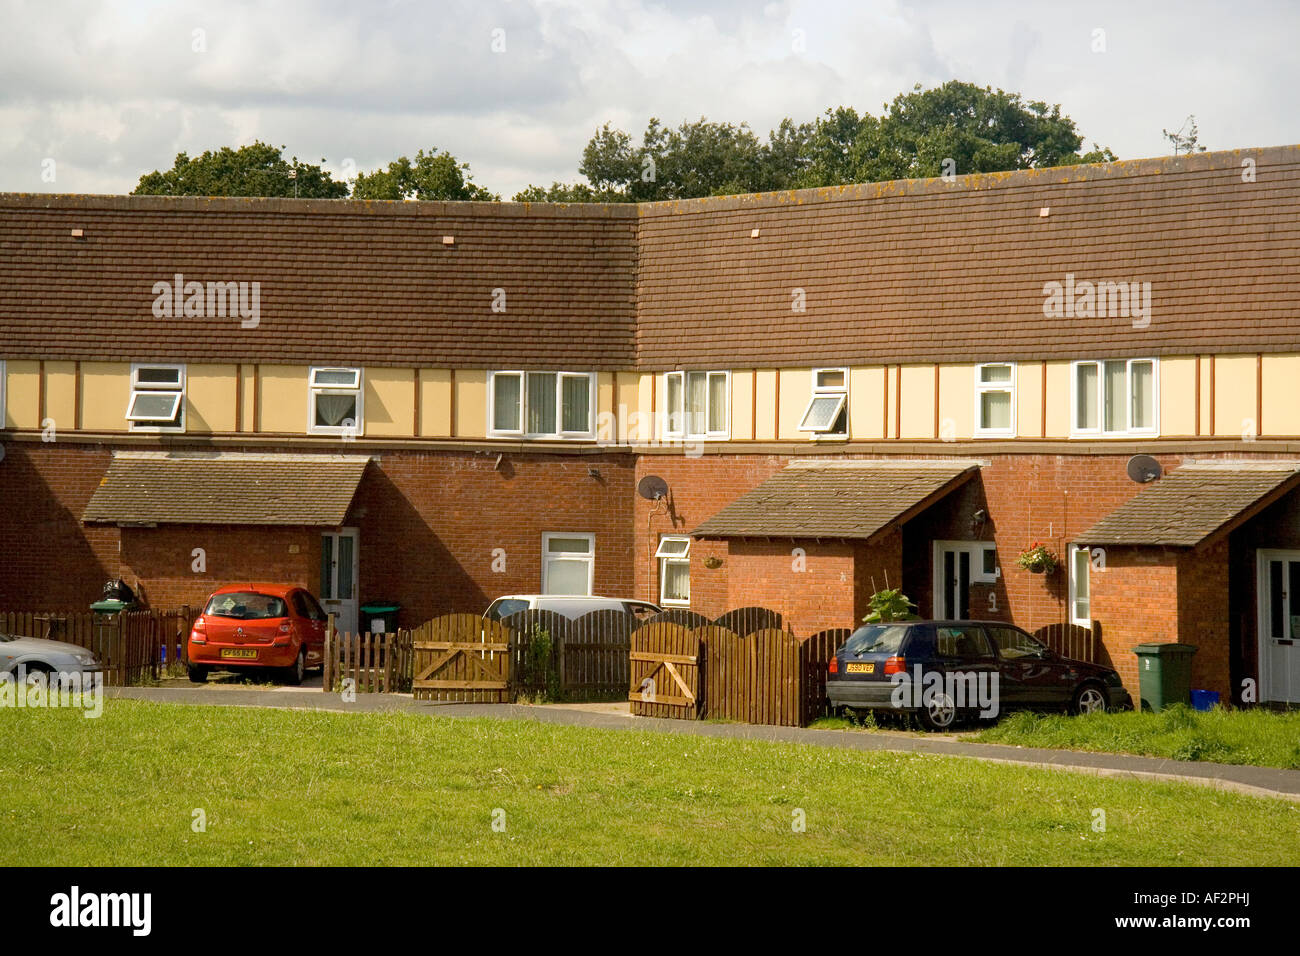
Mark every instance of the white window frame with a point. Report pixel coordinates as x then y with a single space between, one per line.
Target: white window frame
138 388
682 431
559 434
359 391
982 387
492 403
569 556
1128 430
676 557
1074 550
824 391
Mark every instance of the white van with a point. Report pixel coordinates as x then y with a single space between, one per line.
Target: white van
570 606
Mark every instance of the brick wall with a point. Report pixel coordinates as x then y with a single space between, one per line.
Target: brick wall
48 560
160 562
1136 598
434 524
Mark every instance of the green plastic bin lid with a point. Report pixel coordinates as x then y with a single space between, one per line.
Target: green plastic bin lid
379 608
1157 649
112 606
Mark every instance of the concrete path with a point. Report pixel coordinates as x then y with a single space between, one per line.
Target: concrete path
1256 781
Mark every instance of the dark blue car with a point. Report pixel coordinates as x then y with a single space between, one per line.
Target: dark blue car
942 670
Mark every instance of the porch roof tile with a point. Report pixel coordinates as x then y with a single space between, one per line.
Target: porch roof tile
1193 502
837 499
144 487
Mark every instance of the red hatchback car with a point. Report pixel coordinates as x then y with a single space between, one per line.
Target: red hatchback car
256 627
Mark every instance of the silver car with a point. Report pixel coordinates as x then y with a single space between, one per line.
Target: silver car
38 656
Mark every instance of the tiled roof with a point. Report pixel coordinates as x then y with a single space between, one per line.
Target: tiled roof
837 499
226 488
896 272
341 282
1192 502
935 271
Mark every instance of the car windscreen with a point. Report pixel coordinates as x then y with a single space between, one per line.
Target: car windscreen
876 639
6 638
505 607
246 606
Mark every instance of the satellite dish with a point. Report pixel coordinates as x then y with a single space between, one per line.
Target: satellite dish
1143 469
652 488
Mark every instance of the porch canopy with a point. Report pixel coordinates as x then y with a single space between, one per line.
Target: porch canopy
158 487
854 499
1195 504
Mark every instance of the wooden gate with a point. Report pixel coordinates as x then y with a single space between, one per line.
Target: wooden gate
665 664
461 657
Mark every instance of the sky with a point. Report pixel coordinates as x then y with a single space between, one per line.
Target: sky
94 93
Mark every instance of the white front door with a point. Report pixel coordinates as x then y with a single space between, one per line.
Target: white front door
338 578
1279 626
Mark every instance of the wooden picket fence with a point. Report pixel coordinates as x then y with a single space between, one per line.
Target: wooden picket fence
132 646
1072 641
374 663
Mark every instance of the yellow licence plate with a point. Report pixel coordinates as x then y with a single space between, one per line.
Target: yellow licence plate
239 653
859 668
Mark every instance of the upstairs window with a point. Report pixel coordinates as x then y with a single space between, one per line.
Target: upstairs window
157 398
335 402
995 400
541 404
674 556
697 404
827 414
1115 397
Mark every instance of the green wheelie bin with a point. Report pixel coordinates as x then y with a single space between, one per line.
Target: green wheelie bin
1164 674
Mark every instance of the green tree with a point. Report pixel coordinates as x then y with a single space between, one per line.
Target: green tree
254 170
432 176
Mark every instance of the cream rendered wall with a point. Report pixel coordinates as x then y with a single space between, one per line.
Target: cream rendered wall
633 425
471 403
1234 395
742 405
435 402
61 394
389 407
796 390
105 393
765 387
606 424
210 398
956 402
248 385
1029 399
1207 409
1281 396
649 427
282 404
917 401
23 395
1177 396
866 403
1058 399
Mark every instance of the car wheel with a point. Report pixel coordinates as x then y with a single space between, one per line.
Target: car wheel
1089 699
939 714
297 669
39 675
198 675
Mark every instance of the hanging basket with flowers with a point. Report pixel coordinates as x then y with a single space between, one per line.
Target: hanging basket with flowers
1038 559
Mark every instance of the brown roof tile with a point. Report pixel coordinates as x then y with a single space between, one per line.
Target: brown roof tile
1192 502
837 499
226 488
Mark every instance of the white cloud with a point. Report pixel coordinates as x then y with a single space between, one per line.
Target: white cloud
111 90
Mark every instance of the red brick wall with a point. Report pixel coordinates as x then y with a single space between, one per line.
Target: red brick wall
159 562
430 522
48 560
813 589
1136 599
1203 617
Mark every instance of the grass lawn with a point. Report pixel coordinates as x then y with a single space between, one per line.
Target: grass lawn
1262 738
282 787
